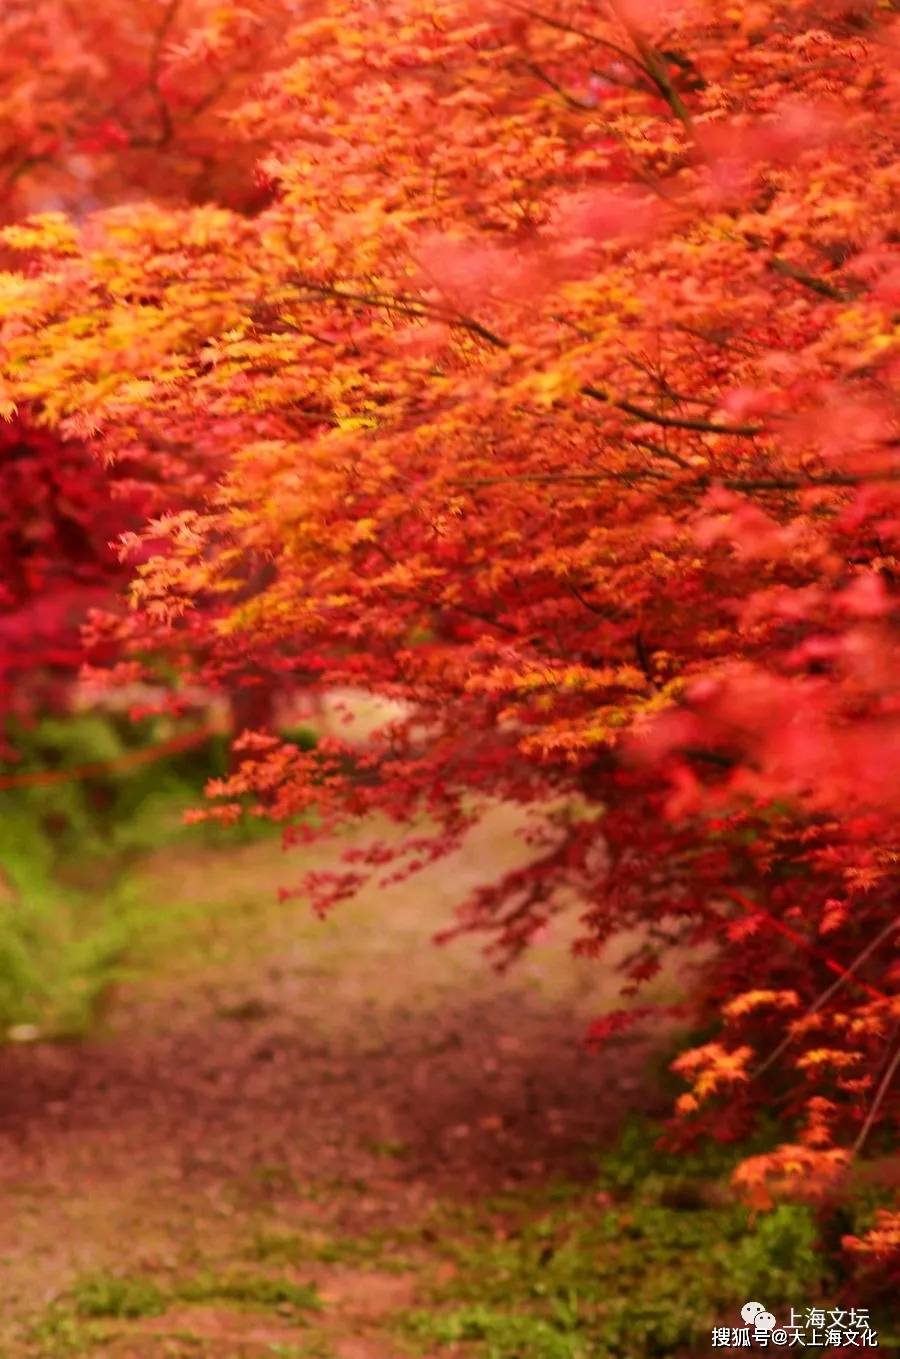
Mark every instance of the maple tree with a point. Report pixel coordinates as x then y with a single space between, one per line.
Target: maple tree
61 515
105 103
121 100
551 394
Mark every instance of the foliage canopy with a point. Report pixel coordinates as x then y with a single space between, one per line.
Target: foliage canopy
550 393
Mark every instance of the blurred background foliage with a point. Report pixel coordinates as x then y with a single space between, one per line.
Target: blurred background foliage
73 918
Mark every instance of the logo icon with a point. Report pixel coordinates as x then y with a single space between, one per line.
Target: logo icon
755 1315
816 1326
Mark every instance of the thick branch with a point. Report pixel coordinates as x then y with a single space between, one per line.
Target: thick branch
700 482
655 67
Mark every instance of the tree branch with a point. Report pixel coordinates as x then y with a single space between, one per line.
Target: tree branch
655 67
700 482
569 99
816 285
413 307
823 999
153 72
410 306
542 478
883 1086
671 421
592 38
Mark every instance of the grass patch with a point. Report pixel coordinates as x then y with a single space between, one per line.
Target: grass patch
82 1322
250 1290
500 1333
126 1298
106 1295
274 1247
59 1334
311 1349
641 1267
377 1250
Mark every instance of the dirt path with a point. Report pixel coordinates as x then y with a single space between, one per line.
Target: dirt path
284 1103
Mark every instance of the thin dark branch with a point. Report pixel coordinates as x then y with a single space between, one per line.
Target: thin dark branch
408 306
666 390
444 604
554 85
660 451
22 167
592 38
796 484
648 62
713 757
816 285
823 999
883 1086
671 421
586 603
153 73
413 307
643 655
546 478
700 482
